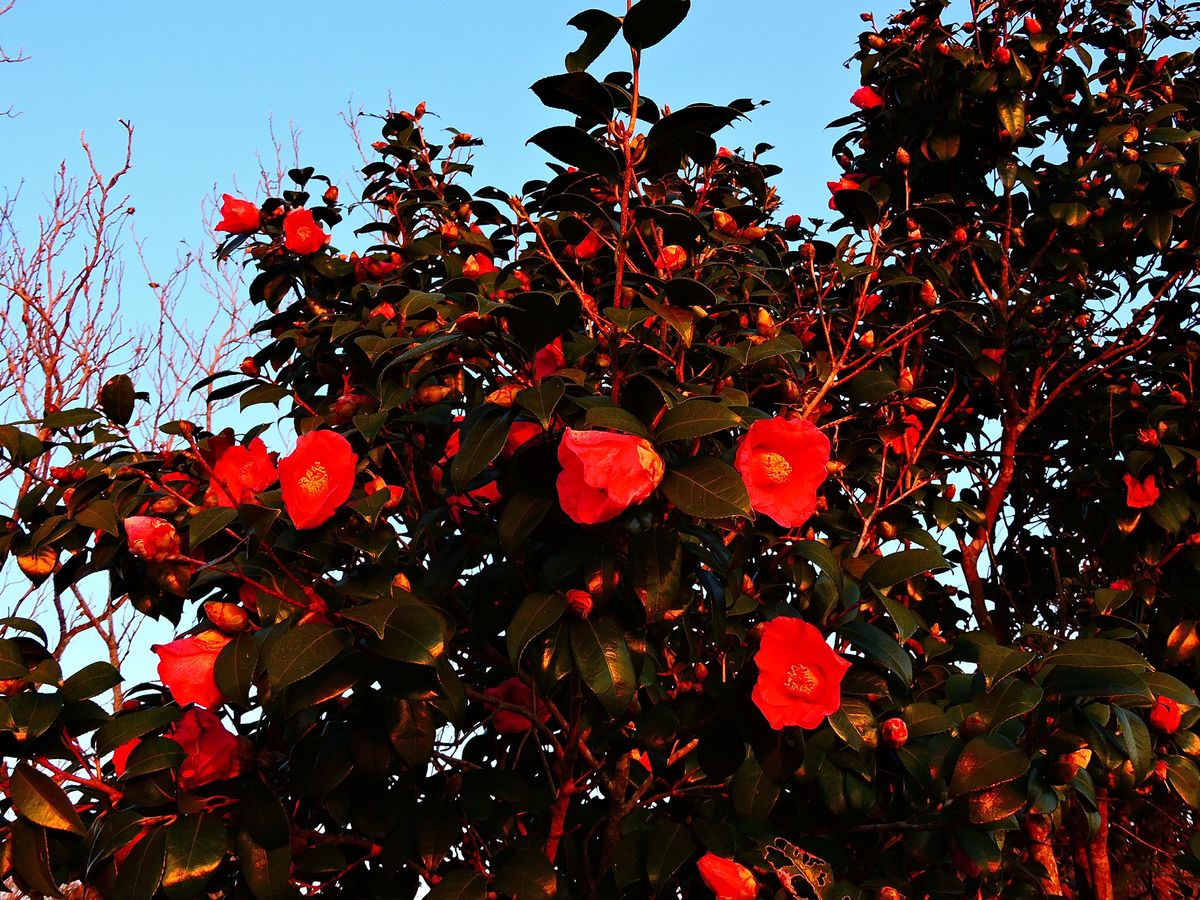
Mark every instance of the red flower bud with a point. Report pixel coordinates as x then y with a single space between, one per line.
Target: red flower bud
1166 715
238 216
727 879
152 539
895 733
579 603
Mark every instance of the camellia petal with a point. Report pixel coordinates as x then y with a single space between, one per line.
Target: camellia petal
186 667
317 477
782 462
604 473
302 234
238 216
728 880
240 473
799 675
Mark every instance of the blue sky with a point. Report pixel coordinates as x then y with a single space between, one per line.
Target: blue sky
201 81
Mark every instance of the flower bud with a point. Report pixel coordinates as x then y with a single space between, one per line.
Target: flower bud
929 294
228 617
895 733
579 603
331 194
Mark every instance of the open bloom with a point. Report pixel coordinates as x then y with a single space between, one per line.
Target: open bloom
604 473
799 675
240 473
317 477
783 462
478 264
866 98
238 216
186 666
727 879
151 538
516 692
1140 494
1166 715
302 234
549 360
211 752
845 183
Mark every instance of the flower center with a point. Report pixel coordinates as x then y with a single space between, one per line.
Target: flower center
800 681
777 468
303 233
315 480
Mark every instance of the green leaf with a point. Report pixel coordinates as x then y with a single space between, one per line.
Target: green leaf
998 662
37 798
707 489
901 566
30 849
460 885
695 418
1007 700
70 418
668 846
986 761
576 147
656 558
542 399
302 651
12 661
879 647
153 754
1162 684
536 613
92 679
616 419
680 318
603 662
127 726
195 847
650 21
234 668
578 93
822 557
267 872
100 514
1012 116
1183 775
1097 653
29 626
1069 681
116 399
208 522
754 792
925 719
482 443
139 876
413 634
263 815
522 514
599 28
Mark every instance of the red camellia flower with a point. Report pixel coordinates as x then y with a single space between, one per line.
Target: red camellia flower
1166 715
866 98
238 216
375 267
317 477
186 665
516 692
783 462
905 443
895 733
520 434
1140 494
727 879
151 538
478 264
120 757
604 473
845 183
799 675
212 753
549 360
791 223
240 473
486 493
671 259
302 234
587 248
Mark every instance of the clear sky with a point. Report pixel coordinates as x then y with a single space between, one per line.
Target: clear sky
201 81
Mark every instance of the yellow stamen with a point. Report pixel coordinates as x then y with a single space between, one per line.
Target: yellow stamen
800 681
777 468
315 480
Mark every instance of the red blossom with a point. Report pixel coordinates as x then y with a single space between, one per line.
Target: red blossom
478 264
894 732
587 248
211 752
549 360
317 477
799 675
604 473
866 98
152 539
1140 494
1166 715
905 443
516 692
186 666
302 234
727 879
239 474
783 462
671 259
238 216
845 183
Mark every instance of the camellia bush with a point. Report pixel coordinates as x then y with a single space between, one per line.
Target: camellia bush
637 539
